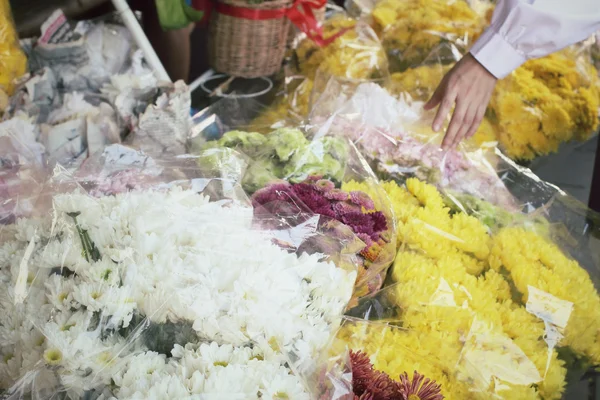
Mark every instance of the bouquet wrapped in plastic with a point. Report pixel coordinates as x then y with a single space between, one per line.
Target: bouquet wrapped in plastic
484 312
394 136
411 29
162 292
22 161
290 174
545 103
356 54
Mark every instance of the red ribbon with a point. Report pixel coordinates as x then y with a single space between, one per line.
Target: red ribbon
300 14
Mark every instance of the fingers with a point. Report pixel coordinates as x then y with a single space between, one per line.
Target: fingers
444 109
468 122
477 122
436 98
456 123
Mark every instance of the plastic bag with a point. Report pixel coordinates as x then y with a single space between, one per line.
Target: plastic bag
290 107
546 102
411 29
484 312
289 173
357 54
395 137
22 161
13 63
138 294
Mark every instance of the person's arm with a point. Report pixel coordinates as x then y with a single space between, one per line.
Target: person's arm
520 30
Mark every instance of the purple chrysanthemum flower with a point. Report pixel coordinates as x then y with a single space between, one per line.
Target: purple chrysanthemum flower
345 208
324 185
337 194
273 192
362 199
379 221
359 222
310 196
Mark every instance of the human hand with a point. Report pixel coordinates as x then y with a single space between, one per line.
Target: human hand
470 86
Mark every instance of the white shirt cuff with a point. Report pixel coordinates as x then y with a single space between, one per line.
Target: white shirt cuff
496 54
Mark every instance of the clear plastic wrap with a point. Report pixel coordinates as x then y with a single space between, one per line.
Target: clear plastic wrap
22 172
486 310
411 30
13 63
289 174
357 54
160 291
394 135
98 98
545 103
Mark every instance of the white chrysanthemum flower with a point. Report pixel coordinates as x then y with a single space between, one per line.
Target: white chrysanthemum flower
231 382
283 386
171 258
28 229
59 292
59 254
8 250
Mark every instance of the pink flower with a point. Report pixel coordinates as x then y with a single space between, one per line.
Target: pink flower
420 388
359 222
324 185
337 194
362 199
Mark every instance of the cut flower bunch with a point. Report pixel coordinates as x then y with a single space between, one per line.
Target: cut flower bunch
481 313
162 295
353 208
544 103
288 174
283 154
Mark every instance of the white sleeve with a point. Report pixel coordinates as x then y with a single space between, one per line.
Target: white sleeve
525 29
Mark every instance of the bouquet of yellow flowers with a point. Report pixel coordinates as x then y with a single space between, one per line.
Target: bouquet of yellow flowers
499 313
411 29
544 103
355 54
290 107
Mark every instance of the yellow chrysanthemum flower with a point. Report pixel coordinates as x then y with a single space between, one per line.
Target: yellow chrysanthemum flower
535 264
456 319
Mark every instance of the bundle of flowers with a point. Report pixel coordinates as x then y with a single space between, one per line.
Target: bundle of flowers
544 103
285 153
371 384
140 296
356 54
500 315
292 107
412 29
353 208
398 155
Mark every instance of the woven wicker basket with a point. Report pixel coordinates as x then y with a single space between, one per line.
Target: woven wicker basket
248 48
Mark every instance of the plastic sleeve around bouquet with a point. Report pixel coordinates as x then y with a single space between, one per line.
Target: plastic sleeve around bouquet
288 173
395 137
545 103
411 30
503 311
163 292
22 170
356 54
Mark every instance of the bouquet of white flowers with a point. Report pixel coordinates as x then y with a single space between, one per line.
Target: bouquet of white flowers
161 294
